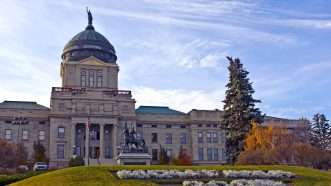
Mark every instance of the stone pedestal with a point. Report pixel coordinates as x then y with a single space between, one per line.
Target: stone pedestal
134 158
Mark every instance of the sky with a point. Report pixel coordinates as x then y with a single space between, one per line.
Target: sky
172 53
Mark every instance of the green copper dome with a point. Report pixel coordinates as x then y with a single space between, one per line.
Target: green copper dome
89 43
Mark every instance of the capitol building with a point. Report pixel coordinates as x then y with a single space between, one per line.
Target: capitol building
90 103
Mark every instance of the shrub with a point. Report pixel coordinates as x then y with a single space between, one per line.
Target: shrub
183 158
76 161
5 180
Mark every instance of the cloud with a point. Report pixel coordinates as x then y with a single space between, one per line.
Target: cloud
180 99
196 53
211 16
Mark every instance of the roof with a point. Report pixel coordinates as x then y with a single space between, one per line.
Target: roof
89 43
157 110
28 105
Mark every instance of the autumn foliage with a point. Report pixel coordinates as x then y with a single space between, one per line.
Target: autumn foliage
183 158
277 145
11 155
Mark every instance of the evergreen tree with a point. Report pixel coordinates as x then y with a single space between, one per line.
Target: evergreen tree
164 158
320 131
239 109
39 152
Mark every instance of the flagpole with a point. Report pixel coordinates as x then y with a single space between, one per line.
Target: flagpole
87 141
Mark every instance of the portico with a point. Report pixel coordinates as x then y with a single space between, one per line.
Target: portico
101 143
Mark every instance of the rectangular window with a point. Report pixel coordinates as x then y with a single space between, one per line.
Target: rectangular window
215 154
169 152
154 126
182 126
200 154
168 139
25 134
60 132
41 135
208 137
60 151
94 134
99 78
154 138
139 125
168 126
183 138
200 137
155 154
108 153
91 78
83 78
215 137
223 153
209 154
8 134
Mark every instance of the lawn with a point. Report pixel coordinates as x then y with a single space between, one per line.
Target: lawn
101 175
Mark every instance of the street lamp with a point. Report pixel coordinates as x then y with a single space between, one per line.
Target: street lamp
19 121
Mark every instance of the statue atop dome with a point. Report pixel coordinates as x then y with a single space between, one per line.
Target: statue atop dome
89 14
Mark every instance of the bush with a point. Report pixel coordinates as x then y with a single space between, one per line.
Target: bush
6 180
183 158
76 161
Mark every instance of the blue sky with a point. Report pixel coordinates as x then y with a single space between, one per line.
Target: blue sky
173 52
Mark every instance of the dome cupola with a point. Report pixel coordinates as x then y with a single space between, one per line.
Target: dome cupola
89 43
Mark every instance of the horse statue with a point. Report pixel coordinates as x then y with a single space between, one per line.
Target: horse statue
133 142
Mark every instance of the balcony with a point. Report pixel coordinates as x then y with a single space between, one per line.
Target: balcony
112 93
62 91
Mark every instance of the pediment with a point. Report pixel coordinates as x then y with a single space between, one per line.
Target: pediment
93 61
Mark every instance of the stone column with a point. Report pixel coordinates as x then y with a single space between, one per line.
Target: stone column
102 140
73 139
114 137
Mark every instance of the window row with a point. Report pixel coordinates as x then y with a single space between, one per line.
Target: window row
208 125
24 134
91 78
211 137
22 122
168 138
168 126
212 154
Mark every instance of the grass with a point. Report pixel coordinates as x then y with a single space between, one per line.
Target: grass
101 175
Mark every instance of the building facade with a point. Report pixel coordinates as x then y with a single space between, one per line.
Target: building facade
89 112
